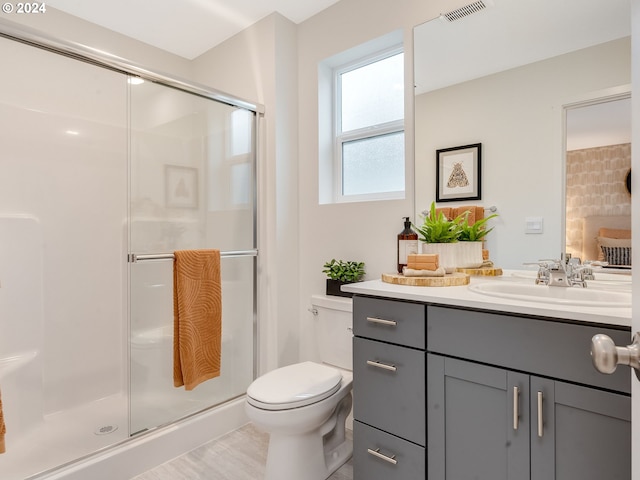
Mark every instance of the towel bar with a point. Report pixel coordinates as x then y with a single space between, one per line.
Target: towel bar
143 257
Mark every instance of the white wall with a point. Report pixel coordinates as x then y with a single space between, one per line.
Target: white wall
517 116
364 231
259 64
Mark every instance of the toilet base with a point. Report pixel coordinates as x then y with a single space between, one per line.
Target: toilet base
310 462
314 455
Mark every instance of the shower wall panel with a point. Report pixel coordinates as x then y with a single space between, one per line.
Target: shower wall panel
64 163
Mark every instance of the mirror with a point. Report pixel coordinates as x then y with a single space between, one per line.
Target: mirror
504 77
598 174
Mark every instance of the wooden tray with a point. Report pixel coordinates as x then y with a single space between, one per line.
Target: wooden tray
482 272
449 280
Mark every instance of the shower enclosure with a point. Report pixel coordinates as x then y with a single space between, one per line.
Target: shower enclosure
103 175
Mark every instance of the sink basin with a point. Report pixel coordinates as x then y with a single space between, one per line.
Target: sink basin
591 297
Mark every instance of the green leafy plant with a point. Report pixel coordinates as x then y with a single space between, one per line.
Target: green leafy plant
475 232
344 271
438 229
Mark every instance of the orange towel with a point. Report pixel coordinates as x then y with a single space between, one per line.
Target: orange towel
475 212
3 429
197 311
446 211
423 261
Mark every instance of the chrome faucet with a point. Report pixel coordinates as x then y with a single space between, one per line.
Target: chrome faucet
566 272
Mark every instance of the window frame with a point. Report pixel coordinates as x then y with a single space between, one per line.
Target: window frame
364 133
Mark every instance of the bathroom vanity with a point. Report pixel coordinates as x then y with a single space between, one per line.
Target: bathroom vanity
452 384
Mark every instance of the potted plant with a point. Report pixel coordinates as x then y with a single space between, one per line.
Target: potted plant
475 232
340 272
440 235
471 238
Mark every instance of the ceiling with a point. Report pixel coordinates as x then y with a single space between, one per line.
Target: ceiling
512 33
187 28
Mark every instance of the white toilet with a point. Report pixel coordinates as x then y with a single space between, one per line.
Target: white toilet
304 407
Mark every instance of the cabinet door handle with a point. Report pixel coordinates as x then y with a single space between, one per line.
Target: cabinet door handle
540 422
384 366
382 321
516 412
376 453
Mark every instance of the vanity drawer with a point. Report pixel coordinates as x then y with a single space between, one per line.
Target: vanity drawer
390 321
410 459
541 346
389 388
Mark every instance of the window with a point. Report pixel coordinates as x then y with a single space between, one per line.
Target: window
369 128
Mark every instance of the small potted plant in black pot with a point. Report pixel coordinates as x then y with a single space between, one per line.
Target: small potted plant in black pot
340 272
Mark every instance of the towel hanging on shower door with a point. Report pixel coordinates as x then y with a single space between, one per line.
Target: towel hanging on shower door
197 309
3 429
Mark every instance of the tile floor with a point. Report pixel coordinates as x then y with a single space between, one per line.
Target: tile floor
239 455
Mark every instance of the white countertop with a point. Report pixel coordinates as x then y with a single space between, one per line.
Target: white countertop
462 296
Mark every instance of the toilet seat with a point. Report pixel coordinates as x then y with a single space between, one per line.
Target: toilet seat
294 386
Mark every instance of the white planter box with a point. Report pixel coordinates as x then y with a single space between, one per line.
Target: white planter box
456 255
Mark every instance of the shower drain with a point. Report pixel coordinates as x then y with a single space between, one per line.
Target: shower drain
106 429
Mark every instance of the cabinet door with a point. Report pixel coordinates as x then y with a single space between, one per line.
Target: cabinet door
585 433
475 429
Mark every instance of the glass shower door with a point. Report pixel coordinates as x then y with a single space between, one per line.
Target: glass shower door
192 186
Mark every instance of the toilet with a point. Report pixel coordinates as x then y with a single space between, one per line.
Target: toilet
304 407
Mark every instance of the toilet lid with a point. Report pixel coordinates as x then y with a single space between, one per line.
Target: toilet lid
294 386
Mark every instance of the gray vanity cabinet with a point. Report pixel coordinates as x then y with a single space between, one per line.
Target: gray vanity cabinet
517 398
389 389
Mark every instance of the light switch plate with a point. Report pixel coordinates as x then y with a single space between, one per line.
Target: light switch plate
533 225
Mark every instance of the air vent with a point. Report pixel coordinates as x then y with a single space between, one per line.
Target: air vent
467 10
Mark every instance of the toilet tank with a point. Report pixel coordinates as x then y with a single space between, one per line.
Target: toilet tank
334 329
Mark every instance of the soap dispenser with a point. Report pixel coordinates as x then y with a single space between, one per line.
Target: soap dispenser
407 244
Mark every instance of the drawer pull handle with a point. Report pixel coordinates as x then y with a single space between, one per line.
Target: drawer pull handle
384 366
382 321
516 401
376 453
540 422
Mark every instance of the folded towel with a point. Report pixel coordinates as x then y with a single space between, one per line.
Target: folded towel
422 266
3 429
197 309
423 257
423 261
410 272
